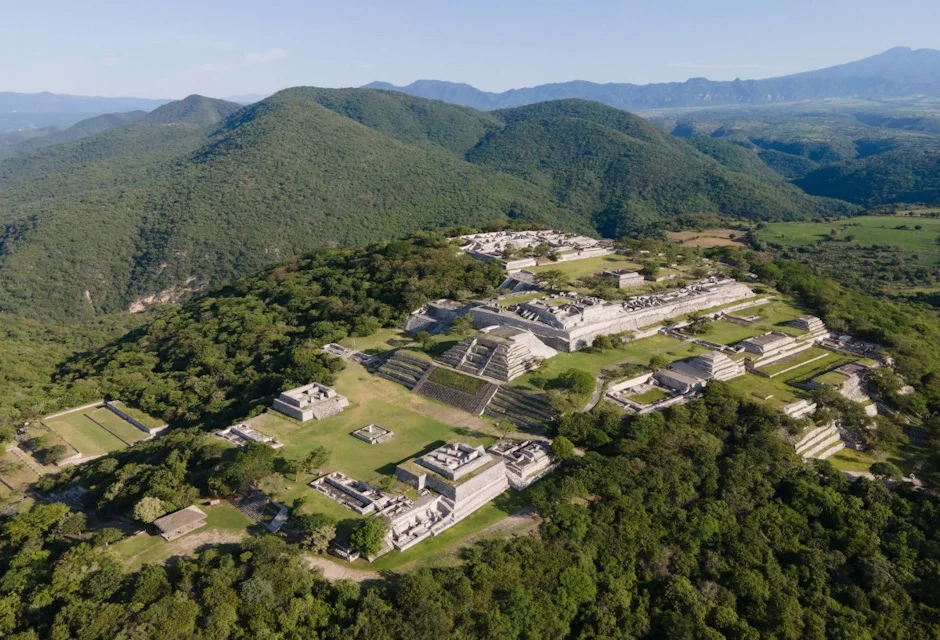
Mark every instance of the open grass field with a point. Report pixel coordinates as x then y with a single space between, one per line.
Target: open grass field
147 420
636 352
83 434
871 230
118 426
577 269
707 238
774 315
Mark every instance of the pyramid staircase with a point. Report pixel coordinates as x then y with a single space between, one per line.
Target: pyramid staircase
523 409
404 369
820 443
490 358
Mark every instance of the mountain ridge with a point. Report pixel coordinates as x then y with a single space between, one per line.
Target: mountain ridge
888 74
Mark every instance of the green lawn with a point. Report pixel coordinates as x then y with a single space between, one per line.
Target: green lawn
20 475
636 352
577 269
872 230
456 380
832 378
120 427
756 387
84 435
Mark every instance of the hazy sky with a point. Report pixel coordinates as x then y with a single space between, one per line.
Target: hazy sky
171 48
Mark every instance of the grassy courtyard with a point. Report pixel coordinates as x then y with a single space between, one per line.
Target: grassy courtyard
757 387
83 434
419 425
636 352
577 269
773 316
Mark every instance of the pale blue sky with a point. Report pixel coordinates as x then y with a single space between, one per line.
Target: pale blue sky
172 48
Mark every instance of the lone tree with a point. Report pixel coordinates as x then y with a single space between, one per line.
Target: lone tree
698 324
562 448
658 361
461 325
149 509
425 341
577 382
368 536
318 531
553 279
316 459
885 471
651 268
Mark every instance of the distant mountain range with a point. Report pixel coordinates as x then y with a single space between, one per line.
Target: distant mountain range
897 72
46 102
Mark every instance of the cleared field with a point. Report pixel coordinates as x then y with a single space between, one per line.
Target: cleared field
380 342
637 352
577 269
224 524
83 434
906 457
871 230
707 238
118 426
15 472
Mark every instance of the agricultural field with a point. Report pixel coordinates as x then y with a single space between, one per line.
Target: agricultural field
866 231
888 255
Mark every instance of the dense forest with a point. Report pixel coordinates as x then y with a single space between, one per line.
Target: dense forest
695 523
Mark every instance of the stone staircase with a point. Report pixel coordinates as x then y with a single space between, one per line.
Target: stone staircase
404 369
820 443
523 409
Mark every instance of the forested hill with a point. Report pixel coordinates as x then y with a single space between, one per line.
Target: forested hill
202 191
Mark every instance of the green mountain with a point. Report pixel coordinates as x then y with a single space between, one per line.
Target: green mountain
194 109
901 175
183 200
82 129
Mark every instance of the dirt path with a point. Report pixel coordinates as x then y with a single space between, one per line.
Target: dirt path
333 571
596 396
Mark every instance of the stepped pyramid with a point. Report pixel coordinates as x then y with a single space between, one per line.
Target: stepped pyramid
820 442
523 409
718 366
500 353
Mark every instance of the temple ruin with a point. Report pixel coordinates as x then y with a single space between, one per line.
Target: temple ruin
497 245
574 324
312 401
501 353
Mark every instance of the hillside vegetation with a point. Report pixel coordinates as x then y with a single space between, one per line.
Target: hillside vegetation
201 191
